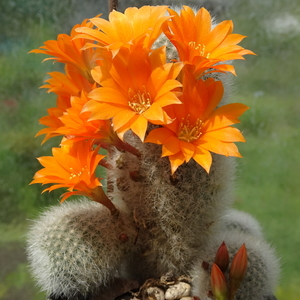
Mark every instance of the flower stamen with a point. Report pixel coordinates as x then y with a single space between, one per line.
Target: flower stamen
139 101
200 48
74 173
187 132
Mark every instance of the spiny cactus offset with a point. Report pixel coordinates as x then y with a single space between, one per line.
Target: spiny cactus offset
78 246
263 266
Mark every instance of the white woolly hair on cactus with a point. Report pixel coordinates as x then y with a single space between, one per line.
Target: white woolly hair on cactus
77 246
241 221
263 266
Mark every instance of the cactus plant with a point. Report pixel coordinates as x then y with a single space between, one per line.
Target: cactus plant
151 87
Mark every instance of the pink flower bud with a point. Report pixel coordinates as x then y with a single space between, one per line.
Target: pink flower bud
237 271
218 283
222 257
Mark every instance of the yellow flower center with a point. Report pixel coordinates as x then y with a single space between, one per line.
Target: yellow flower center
139 101
187 132
74 173
200 48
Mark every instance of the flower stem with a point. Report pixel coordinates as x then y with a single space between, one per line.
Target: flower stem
129 148
112 5
99 196
104 163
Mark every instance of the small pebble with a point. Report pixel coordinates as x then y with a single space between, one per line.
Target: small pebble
178 291
155 293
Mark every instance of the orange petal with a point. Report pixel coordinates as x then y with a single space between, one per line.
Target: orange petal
188 150
159 136
176 161
123 117
109 95
101 111
171 146
139 127
218 34
225 116
154 113
227 134
167 87
203 158
216 146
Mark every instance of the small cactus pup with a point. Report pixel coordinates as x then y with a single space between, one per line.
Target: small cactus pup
77 247
252 270
149 90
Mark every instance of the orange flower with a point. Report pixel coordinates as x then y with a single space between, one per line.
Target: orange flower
135 87
201 45
52 122
74 167
76 123
132 27
67 85
69 51
78 126
199 128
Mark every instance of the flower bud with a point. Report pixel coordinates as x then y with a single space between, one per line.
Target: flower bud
218 283
237 271
222 257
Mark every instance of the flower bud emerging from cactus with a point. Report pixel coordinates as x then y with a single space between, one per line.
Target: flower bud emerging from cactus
218 283
262 268
222 257
237 271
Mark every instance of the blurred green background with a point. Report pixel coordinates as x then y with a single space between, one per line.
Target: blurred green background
268 176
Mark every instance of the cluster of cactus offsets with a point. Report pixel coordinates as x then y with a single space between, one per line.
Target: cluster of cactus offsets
153 90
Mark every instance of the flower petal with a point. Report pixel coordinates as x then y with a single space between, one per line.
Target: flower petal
171 146
227 134
176 160
203 158
188 150
159 135
139 127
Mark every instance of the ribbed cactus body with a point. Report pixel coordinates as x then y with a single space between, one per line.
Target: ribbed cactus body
77 247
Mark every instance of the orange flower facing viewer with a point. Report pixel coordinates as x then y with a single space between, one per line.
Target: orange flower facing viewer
73 167
201 45
135 88
124 30
199 128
